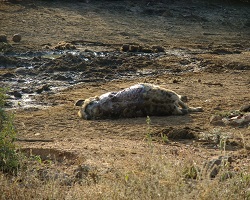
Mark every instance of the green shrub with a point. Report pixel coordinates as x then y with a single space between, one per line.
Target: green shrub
8 156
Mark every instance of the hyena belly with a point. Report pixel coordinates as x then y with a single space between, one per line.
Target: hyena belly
125 103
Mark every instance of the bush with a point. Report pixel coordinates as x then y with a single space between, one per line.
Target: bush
8 156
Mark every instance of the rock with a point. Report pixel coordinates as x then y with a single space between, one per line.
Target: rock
175 81
21 70
218 108
36 59
43 88
245 108
131 48
24 71
216 120
39 91
27 90
8 104
145 50
134 48
8 75
5 47
62 78
16 38
64 45
139 48
177 134
185 62
125 47
222 51
238 120
158 49
21 80
17 94
3 38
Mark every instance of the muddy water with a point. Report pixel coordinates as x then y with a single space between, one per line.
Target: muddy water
30 74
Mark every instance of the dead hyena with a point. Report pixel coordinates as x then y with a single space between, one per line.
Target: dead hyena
136 101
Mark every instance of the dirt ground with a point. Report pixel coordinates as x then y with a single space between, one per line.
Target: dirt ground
207 58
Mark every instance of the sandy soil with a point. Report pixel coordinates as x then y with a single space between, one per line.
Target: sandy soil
208 55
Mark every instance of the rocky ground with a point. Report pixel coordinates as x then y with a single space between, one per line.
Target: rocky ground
74 50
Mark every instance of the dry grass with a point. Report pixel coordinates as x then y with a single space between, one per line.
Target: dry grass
155 177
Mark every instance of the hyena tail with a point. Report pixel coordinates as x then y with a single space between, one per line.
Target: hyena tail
195 109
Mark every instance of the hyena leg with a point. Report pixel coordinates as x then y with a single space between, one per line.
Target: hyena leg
182 105
178 111
186 109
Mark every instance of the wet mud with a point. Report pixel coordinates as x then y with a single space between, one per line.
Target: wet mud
31 73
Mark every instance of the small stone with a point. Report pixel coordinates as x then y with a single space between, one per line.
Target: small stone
16 38
245 108
17 94
64 45
21 70
238 120
145 50
46 47
216 120
179 134
8 75
27 90
43 88
217 108
133 48
158 49
3 38
184 62
62 78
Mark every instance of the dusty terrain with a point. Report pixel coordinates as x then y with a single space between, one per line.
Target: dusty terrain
206 57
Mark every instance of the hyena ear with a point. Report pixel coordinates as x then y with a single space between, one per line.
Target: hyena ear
184 98
97 98
79 102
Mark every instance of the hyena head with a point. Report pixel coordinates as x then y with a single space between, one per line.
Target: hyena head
89 108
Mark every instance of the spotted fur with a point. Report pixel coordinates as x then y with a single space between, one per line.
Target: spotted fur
136 101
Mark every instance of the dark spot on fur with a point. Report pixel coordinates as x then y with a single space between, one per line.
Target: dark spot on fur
184 111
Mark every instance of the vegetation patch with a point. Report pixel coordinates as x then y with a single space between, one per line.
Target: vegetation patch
9 161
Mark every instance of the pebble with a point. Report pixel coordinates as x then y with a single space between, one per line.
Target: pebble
21 70
43 88
245 108
125 47
216 120
3 38
16 38
17 94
